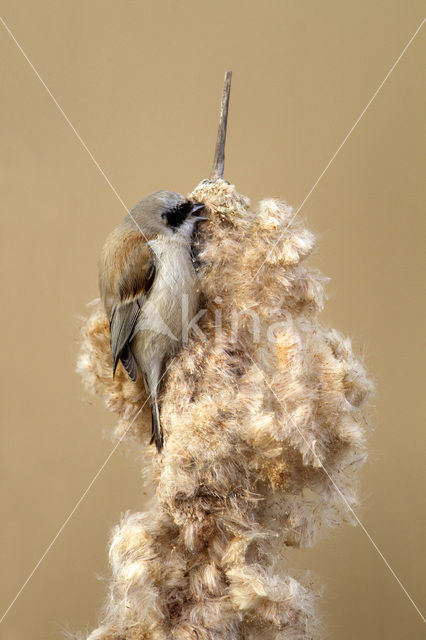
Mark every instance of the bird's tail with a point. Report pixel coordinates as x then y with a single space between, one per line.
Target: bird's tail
157 431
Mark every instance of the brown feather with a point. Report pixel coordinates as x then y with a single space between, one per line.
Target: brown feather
126 268
126 275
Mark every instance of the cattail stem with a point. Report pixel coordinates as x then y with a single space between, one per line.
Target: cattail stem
219 155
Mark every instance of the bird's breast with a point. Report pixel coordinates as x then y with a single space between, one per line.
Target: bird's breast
173 297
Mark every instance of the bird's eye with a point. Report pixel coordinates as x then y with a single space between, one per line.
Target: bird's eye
175 216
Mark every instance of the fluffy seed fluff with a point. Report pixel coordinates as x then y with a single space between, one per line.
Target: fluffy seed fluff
259 423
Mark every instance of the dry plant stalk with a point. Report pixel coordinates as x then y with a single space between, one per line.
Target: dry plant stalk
250 426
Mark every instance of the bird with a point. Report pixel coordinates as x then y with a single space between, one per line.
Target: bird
147 282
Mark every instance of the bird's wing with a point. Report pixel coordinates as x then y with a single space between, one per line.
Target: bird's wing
129 362
122 324
134 282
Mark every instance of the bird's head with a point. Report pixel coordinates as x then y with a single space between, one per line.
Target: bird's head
165 213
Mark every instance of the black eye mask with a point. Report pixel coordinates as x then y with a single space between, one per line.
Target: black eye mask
177 215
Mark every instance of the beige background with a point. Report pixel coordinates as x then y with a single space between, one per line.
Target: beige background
141 82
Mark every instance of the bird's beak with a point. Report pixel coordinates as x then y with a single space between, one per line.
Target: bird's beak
197 206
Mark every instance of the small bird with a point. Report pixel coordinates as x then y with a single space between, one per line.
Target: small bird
147 283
